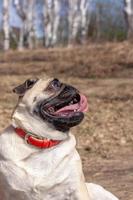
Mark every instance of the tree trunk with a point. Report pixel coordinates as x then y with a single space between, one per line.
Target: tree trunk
56 21
129 17
6 4
25 10
30 24
85 19
51 21
48 21
74 20
79 19
21 12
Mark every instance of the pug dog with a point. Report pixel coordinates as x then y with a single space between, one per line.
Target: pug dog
38 158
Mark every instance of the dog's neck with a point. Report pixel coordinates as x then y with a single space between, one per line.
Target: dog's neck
35 125
19 150
35 140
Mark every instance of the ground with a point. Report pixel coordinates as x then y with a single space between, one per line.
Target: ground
104 73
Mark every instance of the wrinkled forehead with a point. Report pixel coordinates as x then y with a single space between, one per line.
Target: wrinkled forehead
38 90
42 84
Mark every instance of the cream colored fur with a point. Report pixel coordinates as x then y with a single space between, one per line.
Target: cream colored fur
29 173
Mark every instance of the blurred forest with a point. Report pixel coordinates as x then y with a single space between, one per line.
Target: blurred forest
49 23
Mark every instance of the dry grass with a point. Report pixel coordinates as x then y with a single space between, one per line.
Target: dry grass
104 72
93 61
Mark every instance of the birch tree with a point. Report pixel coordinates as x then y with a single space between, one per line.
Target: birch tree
56 21
85 18
79 19
74 20
48 21
30 23
25 10
6 28
51 21
129 17
22 14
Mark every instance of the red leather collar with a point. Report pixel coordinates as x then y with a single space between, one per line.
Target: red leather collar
35 140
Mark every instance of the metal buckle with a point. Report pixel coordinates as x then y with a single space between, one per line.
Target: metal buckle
26 138
32 135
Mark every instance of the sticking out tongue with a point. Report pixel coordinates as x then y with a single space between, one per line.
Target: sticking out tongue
81 106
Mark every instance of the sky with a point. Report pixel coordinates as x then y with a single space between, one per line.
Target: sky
113 8
14 19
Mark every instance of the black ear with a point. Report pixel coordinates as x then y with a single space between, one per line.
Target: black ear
21 89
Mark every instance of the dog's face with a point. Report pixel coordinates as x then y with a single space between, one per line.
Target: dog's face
48 101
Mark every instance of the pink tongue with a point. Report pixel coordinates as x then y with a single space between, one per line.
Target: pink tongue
82 106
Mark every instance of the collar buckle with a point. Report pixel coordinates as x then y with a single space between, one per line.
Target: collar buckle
27 135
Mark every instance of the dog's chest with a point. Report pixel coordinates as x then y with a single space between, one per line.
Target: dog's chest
59 193
21 185
40 176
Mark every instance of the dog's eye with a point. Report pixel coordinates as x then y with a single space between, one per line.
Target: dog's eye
56 84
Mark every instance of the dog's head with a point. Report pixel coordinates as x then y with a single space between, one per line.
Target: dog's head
48 105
